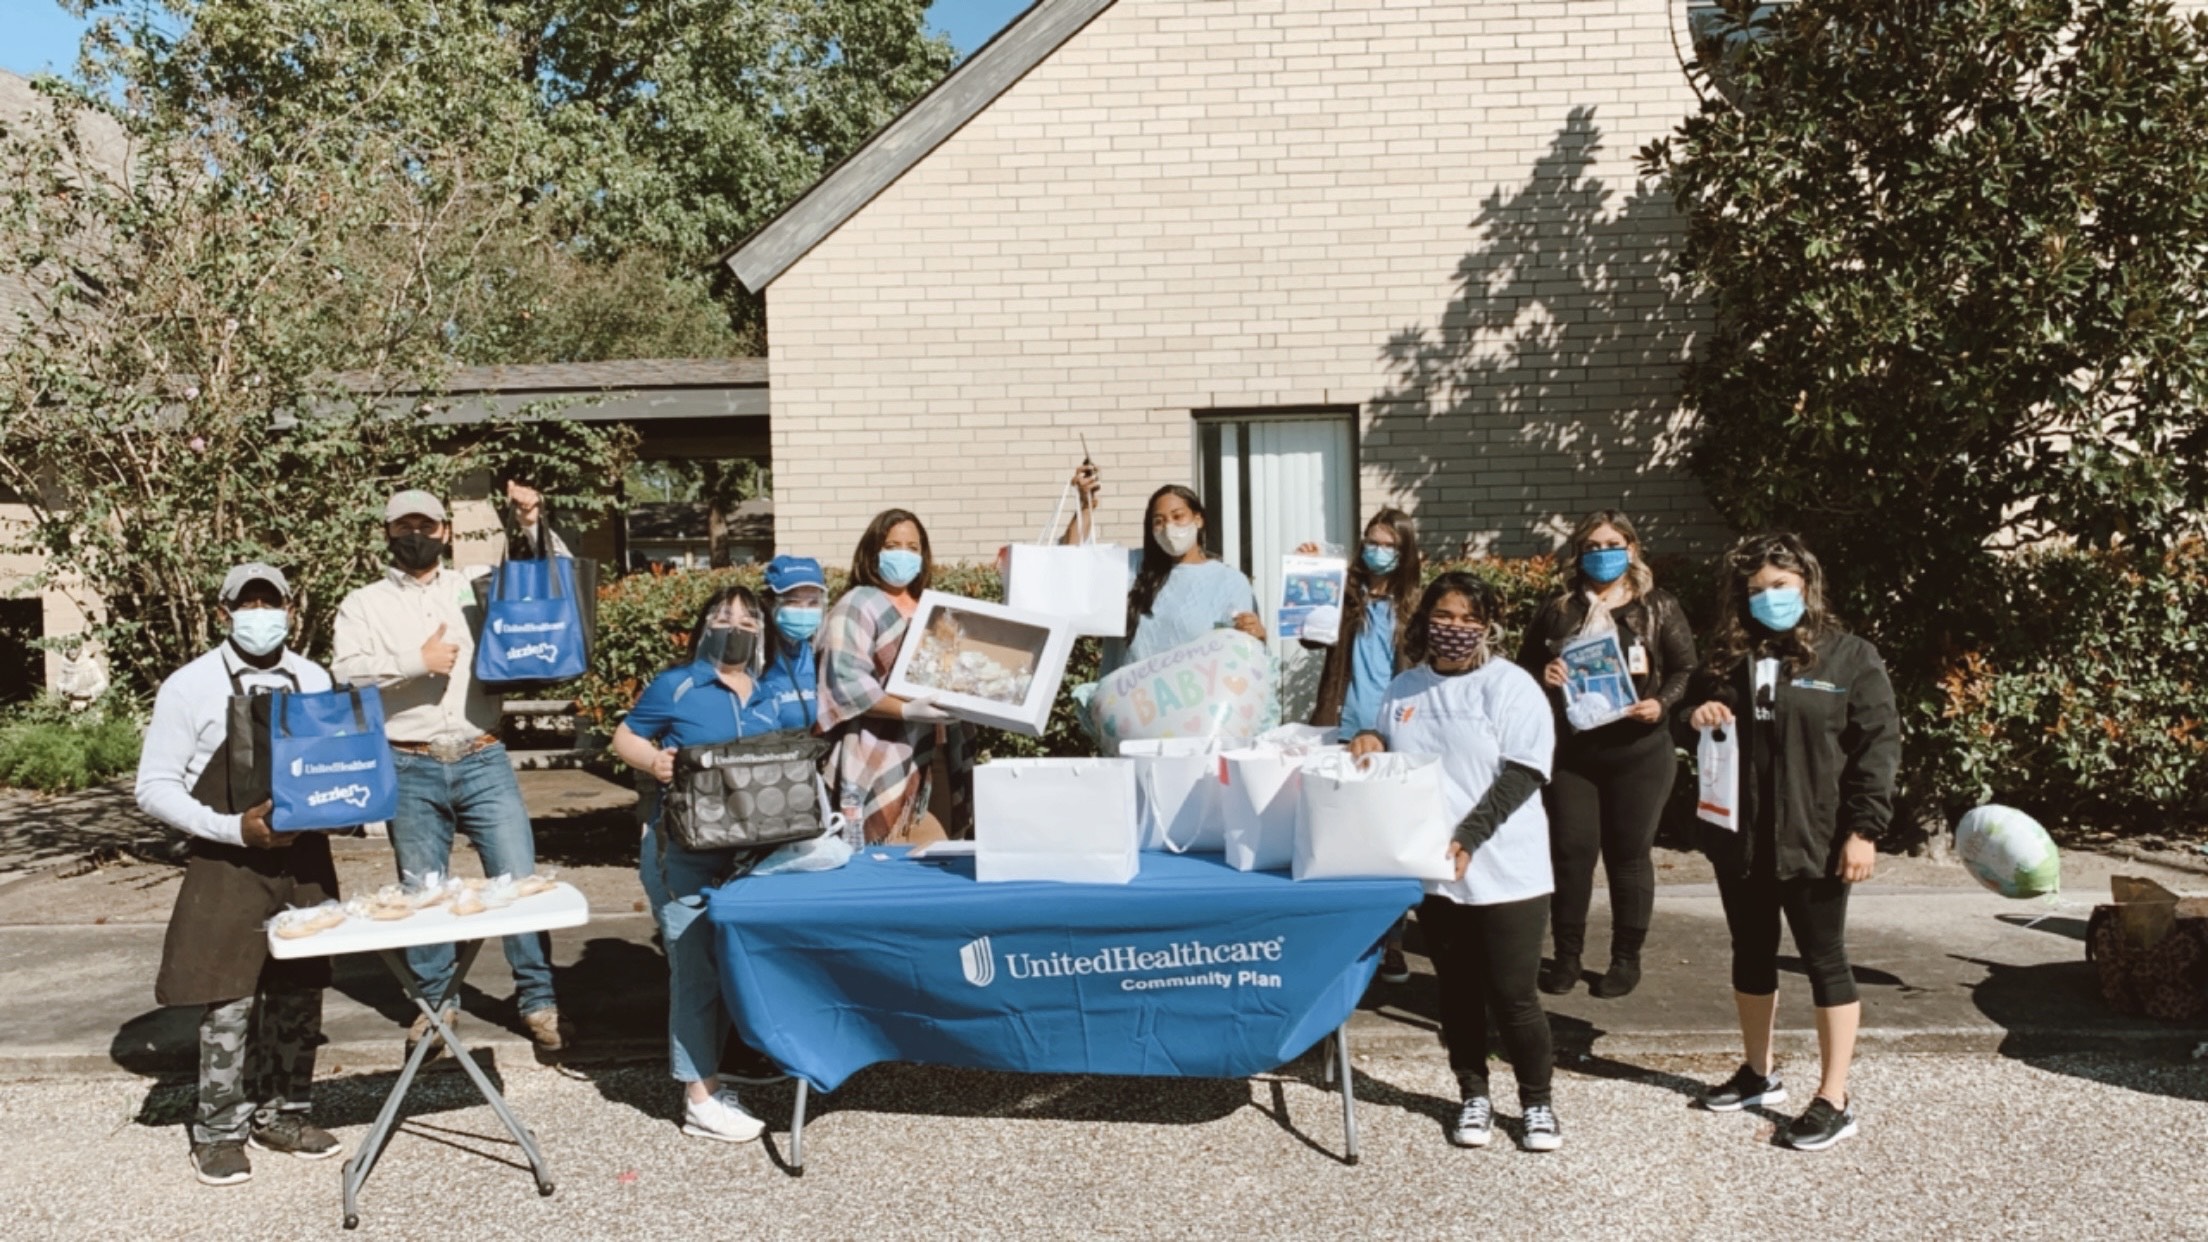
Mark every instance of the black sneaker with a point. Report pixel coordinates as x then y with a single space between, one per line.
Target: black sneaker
1394 967
1475 1123
291 1134
221 1164
1821 1125
1541 1133
1744 1088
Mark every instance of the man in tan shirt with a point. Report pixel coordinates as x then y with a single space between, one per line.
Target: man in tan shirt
412 634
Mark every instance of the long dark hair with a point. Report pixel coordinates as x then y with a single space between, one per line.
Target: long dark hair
741 594
1484 598
1638 577
1738 636
864 571
1157 563
1364 584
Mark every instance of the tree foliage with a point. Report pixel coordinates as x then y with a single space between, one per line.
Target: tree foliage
660 132
1955 255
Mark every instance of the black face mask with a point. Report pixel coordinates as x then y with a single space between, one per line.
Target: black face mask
415 551
727 646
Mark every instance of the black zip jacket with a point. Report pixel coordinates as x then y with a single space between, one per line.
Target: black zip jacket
1655 619
1838 747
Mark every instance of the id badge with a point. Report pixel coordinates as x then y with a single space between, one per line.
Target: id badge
1636 660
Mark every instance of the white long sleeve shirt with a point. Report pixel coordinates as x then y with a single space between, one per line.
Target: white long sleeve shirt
380 631
191 717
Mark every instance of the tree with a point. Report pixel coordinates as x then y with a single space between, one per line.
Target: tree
1955 255
670 130
226 350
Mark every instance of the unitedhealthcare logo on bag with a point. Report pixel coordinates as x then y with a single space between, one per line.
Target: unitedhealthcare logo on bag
301 768
503 627
979 962
1171 966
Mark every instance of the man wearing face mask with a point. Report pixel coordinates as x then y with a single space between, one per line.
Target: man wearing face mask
412 634
262 1019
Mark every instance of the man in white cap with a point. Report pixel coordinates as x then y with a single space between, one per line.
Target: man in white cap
413 635
263 1018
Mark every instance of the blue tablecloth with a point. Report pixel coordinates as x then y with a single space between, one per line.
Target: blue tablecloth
1195 969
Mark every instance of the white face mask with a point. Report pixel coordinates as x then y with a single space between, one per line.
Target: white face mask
258 631
1178 537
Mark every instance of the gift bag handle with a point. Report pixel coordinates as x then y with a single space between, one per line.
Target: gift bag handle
1149 781
1045 539
283 709
552 571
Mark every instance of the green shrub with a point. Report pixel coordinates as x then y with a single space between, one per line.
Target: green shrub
47 747
2085 707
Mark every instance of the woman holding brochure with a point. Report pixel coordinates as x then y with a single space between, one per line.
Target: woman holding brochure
902 769
1368 652
1813 714
1485 719
1614 765
1180 592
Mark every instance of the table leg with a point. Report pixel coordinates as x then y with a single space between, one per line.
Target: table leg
1349 1095
797 1131
372 1144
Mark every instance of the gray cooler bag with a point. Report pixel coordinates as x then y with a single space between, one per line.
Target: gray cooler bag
752 794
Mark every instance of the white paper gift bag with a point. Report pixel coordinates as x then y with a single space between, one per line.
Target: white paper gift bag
1178 780
1085 583
1263 784
1717 766
1072 820
1379 818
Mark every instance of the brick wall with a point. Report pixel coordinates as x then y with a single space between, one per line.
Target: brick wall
1425 208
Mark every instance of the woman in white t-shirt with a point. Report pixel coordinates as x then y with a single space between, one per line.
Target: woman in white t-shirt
1487 720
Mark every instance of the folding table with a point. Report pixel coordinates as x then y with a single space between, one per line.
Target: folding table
561 907
1193 970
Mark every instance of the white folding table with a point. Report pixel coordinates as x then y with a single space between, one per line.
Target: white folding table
562 907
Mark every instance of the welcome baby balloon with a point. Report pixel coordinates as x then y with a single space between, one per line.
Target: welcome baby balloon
1219 686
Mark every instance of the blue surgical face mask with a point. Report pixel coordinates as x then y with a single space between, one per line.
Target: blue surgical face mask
898 566
797 624
1778 609
1381 558
258 631
1605 565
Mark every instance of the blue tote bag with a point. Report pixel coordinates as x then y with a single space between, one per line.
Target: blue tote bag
533 630
330 766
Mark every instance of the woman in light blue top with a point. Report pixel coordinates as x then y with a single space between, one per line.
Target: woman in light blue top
1180 592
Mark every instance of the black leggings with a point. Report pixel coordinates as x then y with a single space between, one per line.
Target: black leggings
1816 912
1486 959
1606 799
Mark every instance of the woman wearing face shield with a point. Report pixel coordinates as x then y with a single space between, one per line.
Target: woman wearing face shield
1180 591
719 696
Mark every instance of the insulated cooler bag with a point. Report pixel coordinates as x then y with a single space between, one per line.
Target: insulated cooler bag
753 793
329 765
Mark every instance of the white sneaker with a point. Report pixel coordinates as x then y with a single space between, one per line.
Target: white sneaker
720 1116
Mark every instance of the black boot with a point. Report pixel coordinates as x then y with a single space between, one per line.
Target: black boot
1562 975
1625 963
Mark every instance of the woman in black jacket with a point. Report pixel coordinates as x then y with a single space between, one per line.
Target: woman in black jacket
1611 781
1819 745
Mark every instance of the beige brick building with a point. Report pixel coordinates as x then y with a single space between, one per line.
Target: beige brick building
1313 257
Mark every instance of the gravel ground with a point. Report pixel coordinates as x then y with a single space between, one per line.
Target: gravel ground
1952 1147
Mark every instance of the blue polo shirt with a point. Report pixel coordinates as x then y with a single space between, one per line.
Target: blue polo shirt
691 706
793 683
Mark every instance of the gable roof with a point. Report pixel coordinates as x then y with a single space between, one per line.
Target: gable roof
908 139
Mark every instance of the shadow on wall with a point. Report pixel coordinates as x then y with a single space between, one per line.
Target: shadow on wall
1550 386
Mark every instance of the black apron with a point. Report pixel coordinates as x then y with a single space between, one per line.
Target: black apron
217 945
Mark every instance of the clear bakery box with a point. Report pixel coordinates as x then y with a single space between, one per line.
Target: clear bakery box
983 662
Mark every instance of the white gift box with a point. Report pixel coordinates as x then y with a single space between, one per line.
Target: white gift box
1069 820
982 662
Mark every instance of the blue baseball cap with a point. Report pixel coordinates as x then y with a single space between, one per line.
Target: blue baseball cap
787 573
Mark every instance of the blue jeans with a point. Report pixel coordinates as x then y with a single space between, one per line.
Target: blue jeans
478 797
697 1021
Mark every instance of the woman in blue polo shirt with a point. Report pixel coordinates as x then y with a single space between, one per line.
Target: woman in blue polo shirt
720 696
800 592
